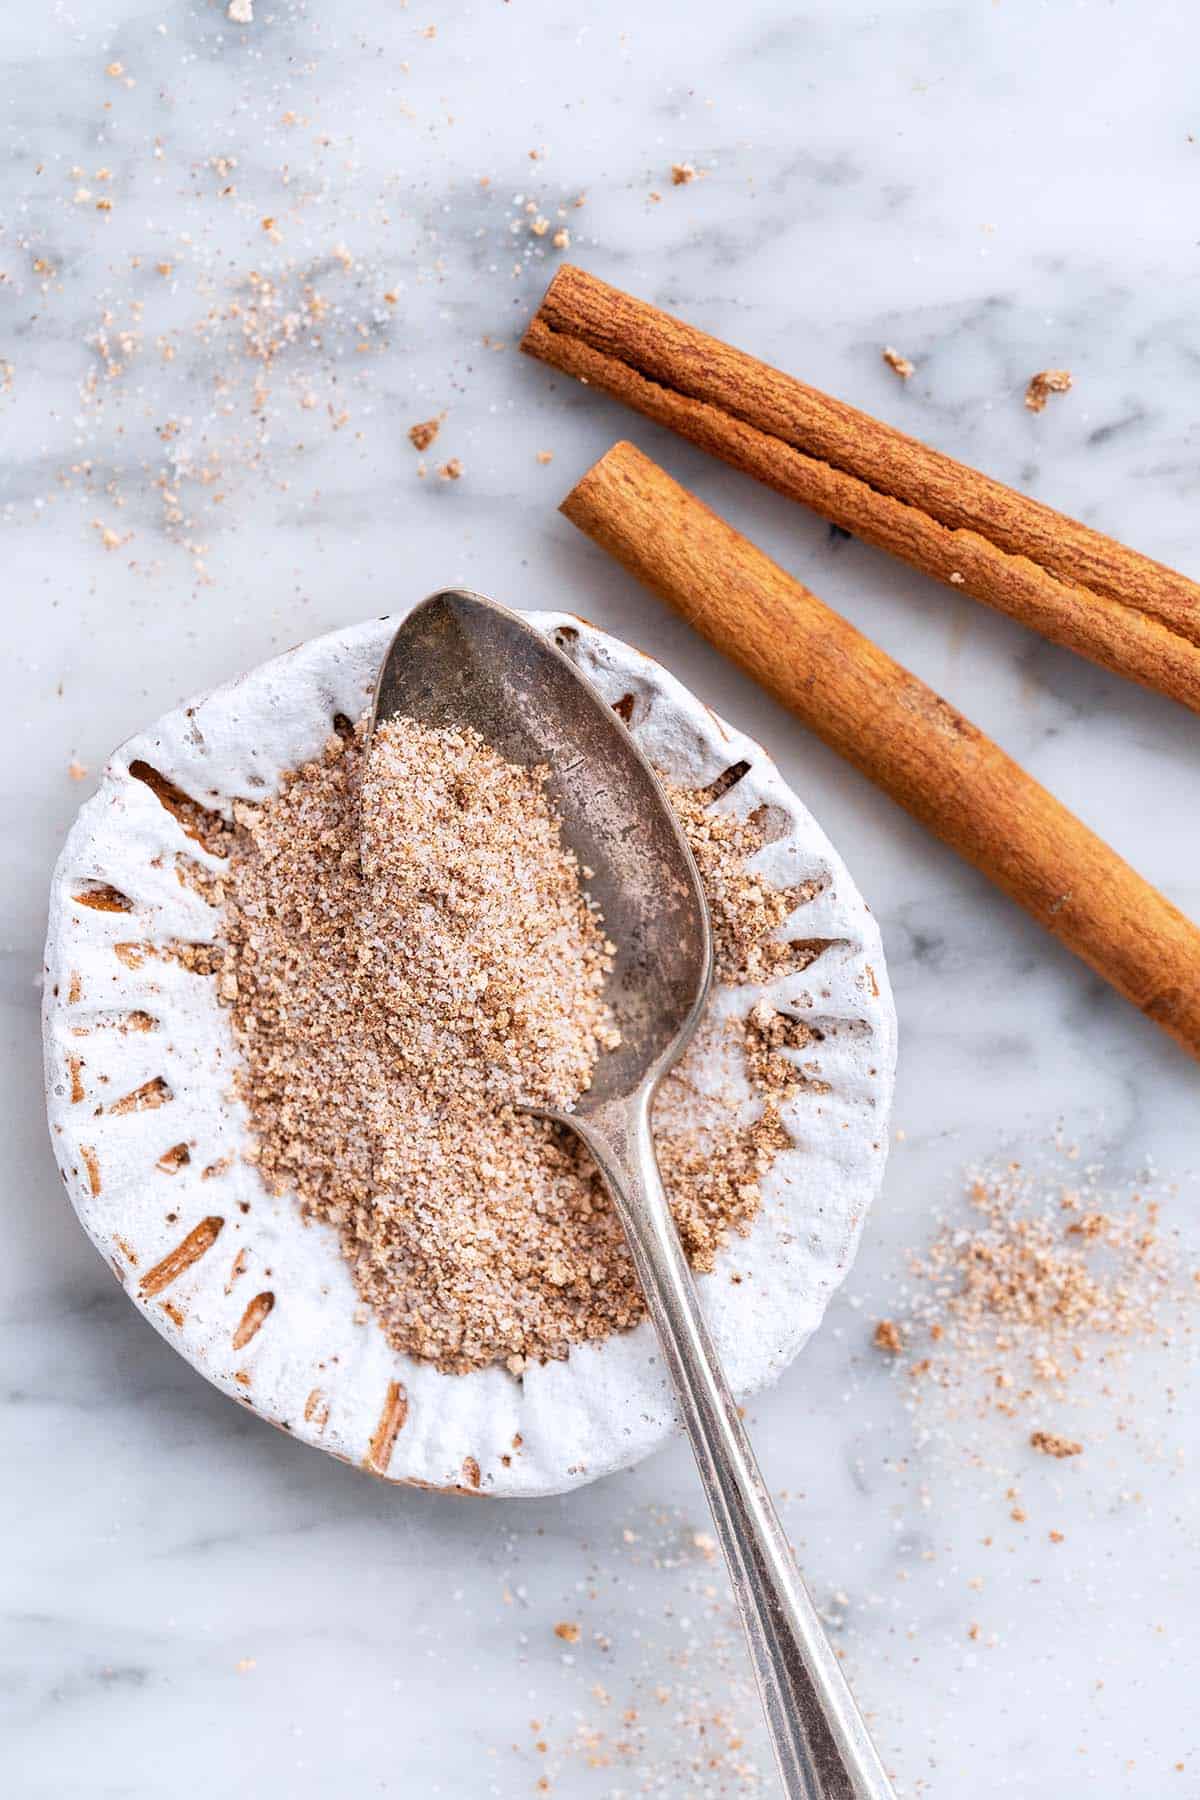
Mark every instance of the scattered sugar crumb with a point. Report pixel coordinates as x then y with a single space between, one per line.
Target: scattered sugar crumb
1045 383
900 364
682 173
1051 1444
422 435
887 1337
451 470
240 12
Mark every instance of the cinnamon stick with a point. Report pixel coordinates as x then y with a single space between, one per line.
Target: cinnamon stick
1074 585
898 732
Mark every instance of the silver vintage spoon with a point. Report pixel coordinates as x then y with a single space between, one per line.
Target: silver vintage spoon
459 659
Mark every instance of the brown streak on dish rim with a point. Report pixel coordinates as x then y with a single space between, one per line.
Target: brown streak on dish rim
391 1423
253 1319
200 1239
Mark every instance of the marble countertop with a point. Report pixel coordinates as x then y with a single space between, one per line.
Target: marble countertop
238 262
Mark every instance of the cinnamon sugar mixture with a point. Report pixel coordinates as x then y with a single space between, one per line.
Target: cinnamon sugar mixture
407 954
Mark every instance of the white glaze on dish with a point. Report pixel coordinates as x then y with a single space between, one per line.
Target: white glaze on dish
311 1359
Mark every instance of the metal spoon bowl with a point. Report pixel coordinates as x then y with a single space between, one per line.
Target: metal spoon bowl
460 660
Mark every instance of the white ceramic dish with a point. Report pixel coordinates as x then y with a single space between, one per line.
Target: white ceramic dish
261 1303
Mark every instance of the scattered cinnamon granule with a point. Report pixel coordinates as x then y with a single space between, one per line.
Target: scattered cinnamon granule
899 364
568 1631
1045 383
1035 1287
77 770
408 953
1051 1444
887 1337
422 435
450 471
682 173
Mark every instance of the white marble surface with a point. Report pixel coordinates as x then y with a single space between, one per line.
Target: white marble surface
992 188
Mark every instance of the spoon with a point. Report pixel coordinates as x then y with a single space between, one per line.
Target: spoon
460 660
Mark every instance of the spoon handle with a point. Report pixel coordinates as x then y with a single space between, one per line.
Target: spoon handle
819 1736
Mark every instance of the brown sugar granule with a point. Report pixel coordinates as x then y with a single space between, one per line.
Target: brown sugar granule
900 365
568 1631
408 955
422 435
887 1337
682 173
450 471
1045 383
1051 1444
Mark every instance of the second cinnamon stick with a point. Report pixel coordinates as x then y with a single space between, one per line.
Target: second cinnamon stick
903 736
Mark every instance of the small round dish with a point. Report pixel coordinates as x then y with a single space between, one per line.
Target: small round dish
149 1134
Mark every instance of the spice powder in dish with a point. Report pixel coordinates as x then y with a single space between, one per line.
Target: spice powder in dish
408 953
